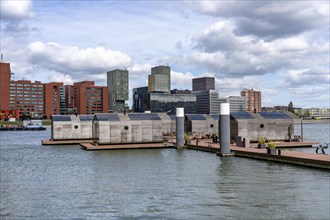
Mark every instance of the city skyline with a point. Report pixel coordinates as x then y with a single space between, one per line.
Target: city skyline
278 48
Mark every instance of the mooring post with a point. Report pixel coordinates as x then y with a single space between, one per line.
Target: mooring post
179 127
224 129
302 131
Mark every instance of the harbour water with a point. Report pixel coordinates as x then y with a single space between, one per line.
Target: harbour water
65 182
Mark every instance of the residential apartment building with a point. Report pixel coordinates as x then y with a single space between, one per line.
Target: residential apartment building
36 98
159 81
253 99
86 98
117 82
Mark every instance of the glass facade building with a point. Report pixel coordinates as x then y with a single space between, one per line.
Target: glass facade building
169 102
160 80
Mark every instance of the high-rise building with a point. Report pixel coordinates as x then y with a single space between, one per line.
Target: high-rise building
141 99
54 98
4 85
207 102
237 103
117 82
86 98
253 99
159 81
203 84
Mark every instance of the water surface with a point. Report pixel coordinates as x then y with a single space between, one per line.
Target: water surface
66 182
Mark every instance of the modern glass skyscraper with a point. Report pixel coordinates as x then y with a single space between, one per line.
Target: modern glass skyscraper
117 82
160 80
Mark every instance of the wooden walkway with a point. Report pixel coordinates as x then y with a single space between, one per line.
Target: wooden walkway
64 142
91 146
290 157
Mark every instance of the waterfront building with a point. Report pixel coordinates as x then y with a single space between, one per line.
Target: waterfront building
237 103
159 81
117 82
253 99
141 99
86 98
54 98
160 102
4 85
203 84
35 98
207 102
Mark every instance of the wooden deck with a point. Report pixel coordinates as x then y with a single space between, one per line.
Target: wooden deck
91 146
64 142
289 157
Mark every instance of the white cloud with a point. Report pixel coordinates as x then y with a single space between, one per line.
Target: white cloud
16 9
74 60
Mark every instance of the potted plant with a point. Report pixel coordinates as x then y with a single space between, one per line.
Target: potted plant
187 138
261 143
271 148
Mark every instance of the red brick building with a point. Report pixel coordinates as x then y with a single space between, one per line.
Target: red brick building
4 85
45 99
86 98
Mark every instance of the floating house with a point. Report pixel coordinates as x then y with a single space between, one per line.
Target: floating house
113 128
198 123
275 126
71 127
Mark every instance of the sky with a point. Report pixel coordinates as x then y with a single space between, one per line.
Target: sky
280 48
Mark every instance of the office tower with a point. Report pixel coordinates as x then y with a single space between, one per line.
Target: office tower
159 81
207 102
253 99
141 99
86 98
117 82
4 85
237 103
203 84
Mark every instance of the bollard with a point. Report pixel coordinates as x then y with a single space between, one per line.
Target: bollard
224 129
179 127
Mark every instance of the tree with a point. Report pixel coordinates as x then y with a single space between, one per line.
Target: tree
290 107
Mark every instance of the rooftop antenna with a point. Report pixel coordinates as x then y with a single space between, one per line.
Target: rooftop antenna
1 57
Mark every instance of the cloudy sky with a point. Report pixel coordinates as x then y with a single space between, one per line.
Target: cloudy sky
278 47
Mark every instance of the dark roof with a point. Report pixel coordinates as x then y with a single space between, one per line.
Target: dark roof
143 116
86 117
274 115
241 115
193 117
106 117
61 118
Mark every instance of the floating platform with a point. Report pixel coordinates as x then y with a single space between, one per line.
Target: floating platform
288 157
92 146
64 142
22 129
291 144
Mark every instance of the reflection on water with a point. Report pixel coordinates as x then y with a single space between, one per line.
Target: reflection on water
65 182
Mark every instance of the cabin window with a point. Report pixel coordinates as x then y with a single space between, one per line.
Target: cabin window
126 128
76 127
211 126
262 126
